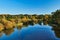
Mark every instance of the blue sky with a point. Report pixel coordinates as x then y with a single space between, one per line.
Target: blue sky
28 6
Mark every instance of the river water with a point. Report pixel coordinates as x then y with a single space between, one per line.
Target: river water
30 32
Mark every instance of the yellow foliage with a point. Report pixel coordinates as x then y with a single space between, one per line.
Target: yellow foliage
20 24
4 20
8 25
1 27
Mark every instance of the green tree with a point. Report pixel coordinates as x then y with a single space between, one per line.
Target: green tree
56 16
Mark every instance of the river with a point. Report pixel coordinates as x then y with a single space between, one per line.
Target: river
30 32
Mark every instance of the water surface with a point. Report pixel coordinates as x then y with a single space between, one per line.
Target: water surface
31 32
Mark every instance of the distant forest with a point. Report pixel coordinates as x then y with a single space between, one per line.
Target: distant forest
53 17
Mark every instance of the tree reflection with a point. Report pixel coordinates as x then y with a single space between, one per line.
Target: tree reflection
8 32
57 30
1 33
19 28
55 27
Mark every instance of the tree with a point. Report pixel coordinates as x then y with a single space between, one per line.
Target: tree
56 16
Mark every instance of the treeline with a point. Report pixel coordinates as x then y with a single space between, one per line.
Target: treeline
54 17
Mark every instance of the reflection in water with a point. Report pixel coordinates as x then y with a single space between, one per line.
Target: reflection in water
1 33
19 28
57 30
8 32
38 31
